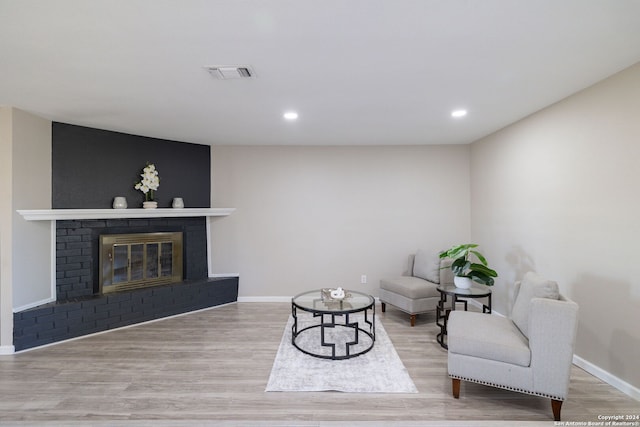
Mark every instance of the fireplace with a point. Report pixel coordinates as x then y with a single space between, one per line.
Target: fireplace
81 308
78 248
139 260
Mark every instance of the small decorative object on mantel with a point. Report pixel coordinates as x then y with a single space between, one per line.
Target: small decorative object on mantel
464 270
148 185
178 203
331 294
119 202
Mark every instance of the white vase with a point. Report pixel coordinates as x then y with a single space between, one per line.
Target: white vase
178 203
462 282
149 205
119 202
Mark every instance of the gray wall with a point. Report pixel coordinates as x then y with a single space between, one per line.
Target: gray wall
26 268
558 193
312 217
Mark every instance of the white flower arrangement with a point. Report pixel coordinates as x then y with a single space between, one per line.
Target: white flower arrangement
149 183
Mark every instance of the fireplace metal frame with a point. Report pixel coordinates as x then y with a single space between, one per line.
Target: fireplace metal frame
109 241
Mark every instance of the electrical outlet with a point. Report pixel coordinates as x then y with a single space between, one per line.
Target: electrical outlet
363 279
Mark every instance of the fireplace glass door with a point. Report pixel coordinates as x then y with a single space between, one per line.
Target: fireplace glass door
138 260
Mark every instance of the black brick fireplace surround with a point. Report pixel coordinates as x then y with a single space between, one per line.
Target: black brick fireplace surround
77 249
80 310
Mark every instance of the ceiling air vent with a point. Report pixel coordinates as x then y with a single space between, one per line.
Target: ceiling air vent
230 72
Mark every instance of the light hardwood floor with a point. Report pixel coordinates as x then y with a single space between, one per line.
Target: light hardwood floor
211 368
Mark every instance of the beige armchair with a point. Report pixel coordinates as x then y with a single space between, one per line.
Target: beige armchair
415 291
531 352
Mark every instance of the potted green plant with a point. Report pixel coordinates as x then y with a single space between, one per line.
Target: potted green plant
466 271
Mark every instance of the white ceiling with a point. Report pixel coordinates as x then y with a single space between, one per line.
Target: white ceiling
357 71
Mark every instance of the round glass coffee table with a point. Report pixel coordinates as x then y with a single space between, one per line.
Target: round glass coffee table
333 329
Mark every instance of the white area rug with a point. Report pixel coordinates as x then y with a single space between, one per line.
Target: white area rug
378 371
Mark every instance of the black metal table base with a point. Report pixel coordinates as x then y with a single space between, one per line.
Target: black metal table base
442 312
332 321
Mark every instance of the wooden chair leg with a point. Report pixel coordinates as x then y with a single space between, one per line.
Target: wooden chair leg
556 405
455 387
413 319
383 306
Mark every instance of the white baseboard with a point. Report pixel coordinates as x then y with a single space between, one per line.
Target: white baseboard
6 350
264 299
607 377
213 275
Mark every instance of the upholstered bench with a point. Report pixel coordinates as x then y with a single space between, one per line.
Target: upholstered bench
415 291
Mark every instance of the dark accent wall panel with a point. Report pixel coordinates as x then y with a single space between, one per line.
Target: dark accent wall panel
92 166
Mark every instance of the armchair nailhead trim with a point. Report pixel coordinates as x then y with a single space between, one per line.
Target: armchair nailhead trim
519 390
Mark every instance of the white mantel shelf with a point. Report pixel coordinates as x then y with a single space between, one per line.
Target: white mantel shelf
66 214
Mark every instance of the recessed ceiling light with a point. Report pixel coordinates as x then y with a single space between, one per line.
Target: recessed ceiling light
290 115
458 113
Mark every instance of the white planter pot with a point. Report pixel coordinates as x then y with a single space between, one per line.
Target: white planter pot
462 282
